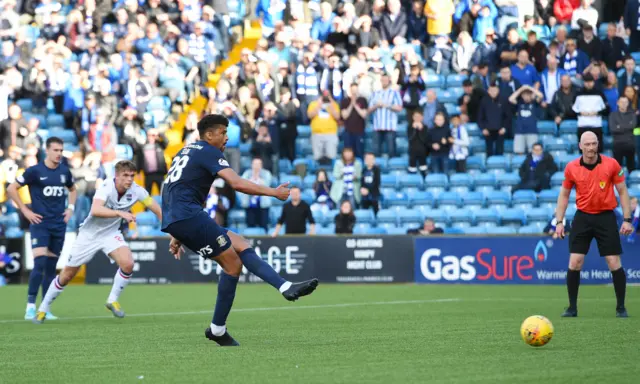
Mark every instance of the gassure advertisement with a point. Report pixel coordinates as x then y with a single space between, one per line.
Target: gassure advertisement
512 260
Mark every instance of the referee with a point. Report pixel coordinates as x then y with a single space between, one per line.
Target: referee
594 176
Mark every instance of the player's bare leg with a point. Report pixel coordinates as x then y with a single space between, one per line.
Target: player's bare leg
262 269
44 271
619 278
227 284
576 260
55 289
123 257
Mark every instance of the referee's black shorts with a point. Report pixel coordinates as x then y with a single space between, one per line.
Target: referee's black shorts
602 226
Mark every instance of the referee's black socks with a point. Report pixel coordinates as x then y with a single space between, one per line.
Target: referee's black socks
573 284
619 285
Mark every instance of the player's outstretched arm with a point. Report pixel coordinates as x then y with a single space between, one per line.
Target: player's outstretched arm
99 210
250 188
153 207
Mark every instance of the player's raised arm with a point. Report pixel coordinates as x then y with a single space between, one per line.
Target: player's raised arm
250 188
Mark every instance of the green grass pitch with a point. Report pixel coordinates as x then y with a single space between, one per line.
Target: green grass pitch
340 334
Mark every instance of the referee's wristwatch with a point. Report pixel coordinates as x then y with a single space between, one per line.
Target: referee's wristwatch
628 220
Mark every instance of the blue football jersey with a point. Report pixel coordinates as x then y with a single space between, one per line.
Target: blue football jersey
48 190
189 180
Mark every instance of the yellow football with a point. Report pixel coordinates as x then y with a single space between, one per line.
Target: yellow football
536 331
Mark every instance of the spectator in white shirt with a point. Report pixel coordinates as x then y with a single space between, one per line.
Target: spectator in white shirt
585 12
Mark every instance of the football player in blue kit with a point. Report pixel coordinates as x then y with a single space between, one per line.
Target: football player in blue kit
184 194
48 184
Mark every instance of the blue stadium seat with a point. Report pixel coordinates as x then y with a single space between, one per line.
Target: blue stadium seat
158 199
452 109
498 199
497 164
25 104
571 212
382 163
388 180
473 200
558 144
245 164
525 199
634 191
284 166
308 181
478 147
516 162
436 182
440 217
303 147
308 196
538 214
145 231
410 180
238 216
485 182
602 30
547 127
10 220
329 217
396 199
473 129
557 179
364 216
147 218
460 182
434 81
294 180
245 149
513 217
402 144
409 216
568 126
455 81
449 198
461 218
321 230
14 233
448 95
398 163
124 152
304 131
486 216
421 198
475 231
361 228
454 231
55 120
507 181
529 230
387 216
501 231
254 232
72 224
396 231
475 163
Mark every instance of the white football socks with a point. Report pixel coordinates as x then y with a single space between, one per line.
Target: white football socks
31 306
285 286
218 330
120 281
55 289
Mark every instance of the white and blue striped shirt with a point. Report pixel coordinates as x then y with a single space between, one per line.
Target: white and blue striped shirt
385 119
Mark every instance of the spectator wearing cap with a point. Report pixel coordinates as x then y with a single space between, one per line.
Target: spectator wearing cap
394 23
584 12
324 115
523 71
550 80
622 123
526 100
385 104
537 51
353 110
629 77
590 44
102 137
590 105
462 53
440 55
493 119
439 15
614 49
486 53
574 61
561 107
321 26
508 51
417 24
468 11
257 206
632 24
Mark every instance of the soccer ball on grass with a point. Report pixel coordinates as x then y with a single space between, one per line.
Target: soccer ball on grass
536 331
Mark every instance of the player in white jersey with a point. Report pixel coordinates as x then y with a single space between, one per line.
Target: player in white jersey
101 232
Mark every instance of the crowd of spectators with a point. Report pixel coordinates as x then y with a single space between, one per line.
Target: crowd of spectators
340 68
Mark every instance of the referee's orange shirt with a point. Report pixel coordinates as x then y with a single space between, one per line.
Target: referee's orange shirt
594 188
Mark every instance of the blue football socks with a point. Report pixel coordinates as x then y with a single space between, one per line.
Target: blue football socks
261 268
49 273
35 278
226 293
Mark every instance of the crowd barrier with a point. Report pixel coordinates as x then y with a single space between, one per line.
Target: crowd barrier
368 259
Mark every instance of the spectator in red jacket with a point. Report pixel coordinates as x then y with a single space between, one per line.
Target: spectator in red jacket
563 10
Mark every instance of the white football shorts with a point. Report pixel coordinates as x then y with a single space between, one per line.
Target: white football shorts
87 245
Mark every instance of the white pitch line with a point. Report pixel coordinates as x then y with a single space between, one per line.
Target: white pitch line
260 309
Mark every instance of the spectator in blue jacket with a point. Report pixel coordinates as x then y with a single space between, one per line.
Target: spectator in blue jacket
321 26
270 11
484 22
574 61
468 11
523 71
152 37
